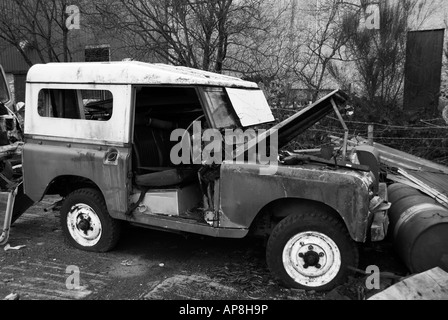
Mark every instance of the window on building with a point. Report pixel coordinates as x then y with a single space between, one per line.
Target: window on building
95 105
97 53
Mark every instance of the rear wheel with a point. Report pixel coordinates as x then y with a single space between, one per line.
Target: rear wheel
311 251
86 223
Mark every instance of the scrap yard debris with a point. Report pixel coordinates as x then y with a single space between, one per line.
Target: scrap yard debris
401 167
429 285
8 247
12 297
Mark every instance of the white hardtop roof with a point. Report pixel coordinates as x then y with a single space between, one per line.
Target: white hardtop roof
130 72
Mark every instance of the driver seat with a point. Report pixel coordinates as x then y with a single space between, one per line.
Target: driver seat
152 148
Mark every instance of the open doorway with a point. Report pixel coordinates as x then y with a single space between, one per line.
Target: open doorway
163 187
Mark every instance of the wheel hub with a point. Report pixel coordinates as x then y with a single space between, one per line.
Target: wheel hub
310 259
84 225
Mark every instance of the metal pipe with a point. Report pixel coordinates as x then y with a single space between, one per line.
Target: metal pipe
344 125
8 217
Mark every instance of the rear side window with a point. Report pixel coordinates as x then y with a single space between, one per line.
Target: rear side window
93 105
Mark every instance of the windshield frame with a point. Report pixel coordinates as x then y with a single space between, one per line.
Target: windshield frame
232 119
208 109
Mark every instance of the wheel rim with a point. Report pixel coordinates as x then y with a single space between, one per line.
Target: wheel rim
312 259
84 225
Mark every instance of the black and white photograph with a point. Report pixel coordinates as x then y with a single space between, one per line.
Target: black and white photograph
222 158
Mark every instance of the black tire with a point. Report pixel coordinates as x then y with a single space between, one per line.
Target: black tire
317 225
91 201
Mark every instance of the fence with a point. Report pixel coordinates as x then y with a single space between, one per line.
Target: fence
425 138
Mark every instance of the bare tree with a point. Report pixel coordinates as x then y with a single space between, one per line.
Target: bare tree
378 56
261 53
36 28
319 43
193 33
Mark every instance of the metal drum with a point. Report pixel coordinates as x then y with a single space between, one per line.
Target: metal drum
419 227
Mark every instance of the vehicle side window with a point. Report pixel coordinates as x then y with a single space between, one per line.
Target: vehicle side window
94 105
220 108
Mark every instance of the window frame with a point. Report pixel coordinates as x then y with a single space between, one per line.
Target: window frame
49 106
116 132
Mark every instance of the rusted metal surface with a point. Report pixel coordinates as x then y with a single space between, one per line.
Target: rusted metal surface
420 228
418 173
44 161
127 73
298 123
181 225
305 119
432 184
398 159
380 210
76 147
244 193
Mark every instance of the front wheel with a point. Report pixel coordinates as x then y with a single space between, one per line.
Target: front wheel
86 223
311 251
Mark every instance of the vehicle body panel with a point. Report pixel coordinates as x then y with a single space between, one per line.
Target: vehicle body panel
172 224
130 73
295 125
245 192
44 161
116 131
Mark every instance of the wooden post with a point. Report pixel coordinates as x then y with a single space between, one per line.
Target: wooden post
370 135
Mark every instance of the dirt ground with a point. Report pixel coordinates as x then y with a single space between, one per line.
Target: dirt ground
152 265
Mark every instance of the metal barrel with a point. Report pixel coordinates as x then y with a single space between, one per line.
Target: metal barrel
420 229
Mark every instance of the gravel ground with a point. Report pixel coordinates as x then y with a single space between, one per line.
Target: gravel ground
151 265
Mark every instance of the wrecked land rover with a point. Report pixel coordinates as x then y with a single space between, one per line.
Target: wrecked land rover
100 135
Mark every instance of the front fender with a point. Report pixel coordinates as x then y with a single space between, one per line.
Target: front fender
244 193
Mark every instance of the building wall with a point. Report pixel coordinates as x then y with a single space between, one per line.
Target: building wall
435 16
78 40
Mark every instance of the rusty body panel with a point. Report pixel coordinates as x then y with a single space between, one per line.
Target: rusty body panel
244 193
165 223
306 118
295 125
44 161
